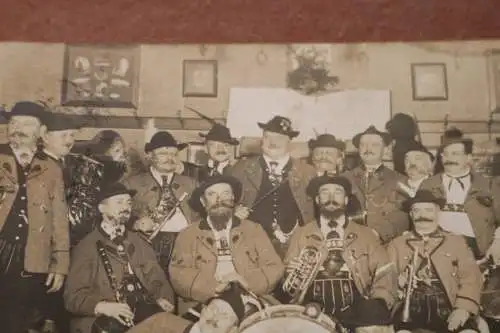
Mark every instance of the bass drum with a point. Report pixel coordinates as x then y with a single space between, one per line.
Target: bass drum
289 319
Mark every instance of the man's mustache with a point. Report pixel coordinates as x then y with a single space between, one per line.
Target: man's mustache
330 202
224 204
220 152
423 219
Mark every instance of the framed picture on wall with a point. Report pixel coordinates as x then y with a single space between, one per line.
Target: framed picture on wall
200 78
103 76
429 82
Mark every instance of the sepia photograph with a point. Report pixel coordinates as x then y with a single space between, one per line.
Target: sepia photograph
250 188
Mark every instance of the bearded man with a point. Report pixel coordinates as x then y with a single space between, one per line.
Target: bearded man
34 236
326 154
221 248
355 281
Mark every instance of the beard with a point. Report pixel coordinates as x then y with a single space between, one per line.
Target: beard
120 218
220 214
332 210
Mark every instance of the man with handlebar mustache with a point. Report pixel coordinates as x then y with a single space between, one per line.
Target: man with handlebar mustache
221 248
354 281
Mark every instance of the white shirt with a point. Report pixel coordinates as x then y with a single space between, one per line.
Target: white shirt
224 263
220 167
281 163
415 184
372 168
51 154
456 222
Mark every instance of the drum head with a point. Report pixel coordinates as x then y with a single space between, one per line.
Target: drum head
287 319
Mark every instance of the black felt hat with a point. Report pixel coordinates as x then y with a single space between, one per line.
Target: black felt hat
195 199
366 312
315 183
326 140
372 130
423 196
280 125
60 122
163 139
220 133
27 108
454 135
110 190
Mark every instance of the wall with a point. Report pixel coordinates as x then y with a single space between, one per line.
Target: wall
32 71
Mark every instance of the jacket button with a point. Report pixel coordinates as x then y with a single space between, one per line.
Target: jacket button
17 238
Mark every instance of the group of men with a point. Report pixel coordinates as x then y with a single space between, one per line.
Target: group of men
186 248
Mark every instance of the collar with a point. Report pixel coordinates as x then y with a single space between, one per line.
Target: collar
342 221
17 154
204 224
281 162
115 233
157 175
415 184
436 233
373 169
221 165
462 175
51 155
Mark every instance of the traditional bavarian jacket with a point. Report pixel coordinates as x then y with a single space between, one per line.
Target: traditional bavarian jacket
87 283
365 257
287 206
452 261
33 212
474 214
195 261
381 200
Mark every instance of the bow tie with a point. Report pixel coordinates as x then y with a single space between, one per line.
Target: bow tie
459 180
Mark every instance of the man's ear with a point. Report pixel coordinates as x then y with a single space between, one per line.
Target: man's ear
316 200
203 202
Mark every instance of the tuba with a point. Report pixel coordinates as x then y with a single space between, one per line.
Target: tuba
299 280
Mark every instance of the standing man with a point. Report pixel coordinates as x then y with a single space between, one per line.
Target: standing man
274 185
221 248
376 186
159 191
472 204
326 154
34 236
418 164
354 280
445 280
220 149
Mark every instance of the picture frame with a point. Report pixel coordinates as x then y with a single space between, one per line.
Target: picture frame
103 76
429 82
200 78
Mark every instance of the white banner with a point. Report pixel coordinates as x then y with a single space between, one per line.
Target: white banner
343 114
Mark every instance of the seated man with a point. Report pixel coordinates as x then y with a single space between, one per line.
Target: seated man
221 248
114 276
350 277
446 281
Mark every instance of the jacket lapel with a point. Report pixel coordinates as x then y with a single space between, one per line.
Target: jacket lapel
295 179
476 187
36 169
8 169
254 173
377 180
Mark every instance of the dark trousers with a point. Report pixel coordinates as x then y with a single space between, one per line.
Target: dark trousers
163 245
20 295
51 307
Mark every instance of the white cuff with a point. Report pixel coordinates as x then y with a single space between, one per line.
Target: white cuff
195 329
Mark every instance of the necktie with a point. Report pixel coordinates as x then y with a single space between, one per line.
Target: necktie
333 224
274 177
215 169
459 180
167 196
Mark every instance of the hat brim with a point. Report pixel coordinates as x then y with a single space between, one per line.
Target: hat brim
313 144
195 199
130 192
315 184
468 142
411 201
8 115
291 134
231 141
386 137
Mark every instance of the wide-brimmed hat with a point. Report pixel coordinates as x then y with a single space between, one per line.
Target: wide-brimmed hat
194 200
163 139
423 196
315 183
326 140
26 108
417 146
61 122
280 125
112 189
372 130
220 133
366 312
455 135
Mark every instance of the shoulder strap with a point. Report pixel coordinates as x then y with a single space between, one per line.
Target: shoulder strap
109 270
